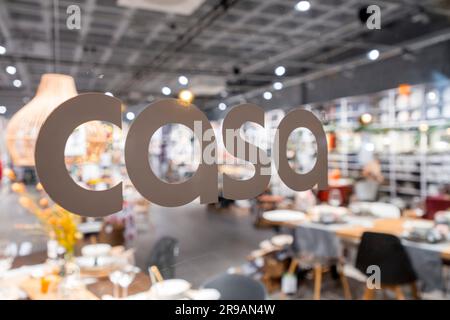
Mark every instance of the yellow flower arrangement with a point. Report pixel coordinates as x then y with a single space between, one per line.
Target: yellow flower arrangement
56 221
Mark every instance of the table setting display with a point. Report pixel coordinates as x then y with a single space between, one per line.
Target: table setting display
161 289
284 216
45 282
374 209
425 231
327 214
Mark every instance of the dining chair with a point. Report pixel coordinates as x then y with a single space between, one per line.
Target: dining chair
236 287
163 256
387 252
320 252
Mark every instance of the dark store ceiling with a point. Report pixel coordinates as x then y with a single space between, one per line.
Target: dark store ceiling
225 48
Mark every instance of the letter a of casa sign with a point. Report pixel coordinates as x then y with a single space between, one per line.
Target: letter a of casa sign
53 175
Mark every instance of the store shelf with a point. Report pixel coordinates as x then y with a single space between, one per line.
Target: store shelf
406 148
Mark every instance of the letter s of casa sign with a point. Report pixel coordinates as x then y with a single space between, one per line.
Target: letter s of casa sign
56 181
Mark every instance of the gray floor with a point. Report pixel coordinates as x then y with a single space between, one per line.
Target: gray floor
210 241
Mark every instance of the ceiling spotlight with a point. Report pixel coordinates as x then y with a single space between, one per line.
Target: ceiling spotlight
186 97
280 70
130 115
267 95
109 94
183 80
432 97
366 118
11 69
17 83
166 91
373 54
423 127
278 86
303 6
2 50
222 106
2 109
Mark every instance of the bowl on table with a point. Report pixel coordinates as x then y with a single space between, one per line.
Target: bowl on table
170 289
96 250
282 240
375 209
96 260
422 231
442 217
204 294
327 214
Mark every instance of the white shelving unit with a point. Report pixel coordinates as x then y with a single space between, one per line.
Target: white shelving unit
399 135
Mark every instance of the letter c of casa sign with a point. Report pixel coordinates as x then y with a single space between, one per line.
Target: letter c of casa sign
53 135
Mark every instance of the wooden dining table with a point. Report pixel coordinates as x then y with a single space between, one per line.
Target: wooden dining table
353 232
390 226
102 285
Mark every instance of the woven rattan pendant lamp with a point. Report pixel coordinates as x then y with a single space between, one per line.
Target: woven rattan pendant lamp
23 128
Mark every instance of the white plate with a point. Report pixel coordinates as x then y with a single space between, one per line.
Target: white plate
96 250
266 245
418 224
170 289
204 294
89 262
324 209
284 215
377 209
282 240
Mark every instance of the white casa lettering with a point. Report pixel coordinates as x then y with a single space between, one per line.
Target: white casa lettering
203 311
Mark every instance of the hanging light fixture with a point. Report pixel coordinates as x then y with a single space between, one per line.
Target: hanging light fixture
23 128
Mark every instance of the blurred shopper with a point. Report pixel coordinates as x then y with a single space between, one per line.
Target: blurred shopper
367 188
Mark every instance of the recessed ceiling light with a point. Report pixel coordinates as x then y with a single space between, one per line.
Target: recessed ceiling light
17 83
186 97
303 6
183 80
2 109
423 127
109 94
432 96
130 115
278 86
222 106
280 70
373 54
2 50
11 69
366 118
166 91
267 95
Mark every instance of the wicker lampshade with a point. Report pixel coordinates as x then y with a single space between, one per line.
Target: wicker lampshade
23 128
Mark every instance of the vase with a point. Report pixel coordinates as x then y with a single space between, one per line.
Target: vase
70 278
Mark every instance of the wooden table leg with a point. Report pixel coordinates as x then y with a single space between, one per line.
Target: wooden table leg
399 293
345 286
317 280
415 291
369 294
